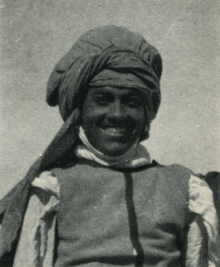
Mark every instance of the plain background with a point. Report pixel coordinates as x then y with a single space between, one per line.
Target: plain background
36 33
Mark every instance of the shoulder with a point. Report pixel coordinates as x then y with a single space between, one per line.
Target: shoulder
47 182
174 177
174 171
213 180
175 167
44 198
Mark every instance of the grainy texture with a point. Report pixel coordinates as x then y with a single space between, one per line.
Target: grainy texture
36 33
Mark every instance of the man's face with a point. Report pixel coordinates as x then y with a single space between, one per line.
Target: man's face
113 119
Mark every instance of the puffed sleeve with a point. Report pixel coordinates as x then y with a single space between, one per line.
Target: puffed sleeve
36 243
203 245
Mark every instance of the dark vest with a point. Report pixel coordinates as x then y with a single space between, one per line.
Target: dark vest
117 218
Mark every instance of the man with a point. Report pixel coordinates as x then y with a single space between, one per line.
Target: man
94 198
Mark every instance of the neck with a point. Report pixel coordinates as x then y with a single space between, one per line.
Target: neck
137 155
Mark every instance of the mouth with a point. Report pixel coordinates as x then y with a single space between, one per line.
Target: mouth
114 131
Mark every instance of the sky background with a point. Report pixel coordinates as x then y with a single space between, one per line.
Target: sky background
35 34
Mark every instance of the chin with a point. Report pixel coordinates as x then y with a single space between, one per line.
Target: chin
115 151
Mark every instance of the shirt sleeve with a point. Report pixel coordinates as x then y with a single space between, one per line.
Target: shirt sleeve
36 243
204 229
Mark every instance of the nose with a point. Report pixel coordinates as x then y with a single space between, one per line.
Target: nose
117 111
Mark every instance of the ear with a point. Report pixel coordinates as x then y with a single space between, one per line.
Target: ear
146 131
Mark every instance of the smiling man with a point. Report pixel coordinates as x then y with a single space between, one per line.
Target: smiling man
94 198
113 119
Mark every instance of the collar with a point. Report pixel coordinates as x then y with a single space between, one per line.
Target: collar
136 156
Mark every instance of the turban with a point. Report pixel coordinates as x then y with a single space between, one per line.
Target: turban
111 48
96 59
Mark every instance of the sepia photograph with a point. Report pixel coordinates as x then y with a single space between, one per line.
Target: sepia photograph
110 133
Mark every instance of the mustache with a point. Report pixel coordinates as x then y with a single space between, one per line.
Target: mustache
125 124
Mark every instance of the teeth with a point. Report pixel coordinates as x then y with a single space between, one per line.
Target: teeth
115 130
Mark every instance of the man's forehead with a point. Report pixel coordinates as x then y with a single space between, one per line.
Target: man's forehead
114 90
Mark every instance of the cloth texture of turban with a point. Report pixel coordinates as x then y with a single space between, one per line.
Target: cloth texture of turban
99 54
107 48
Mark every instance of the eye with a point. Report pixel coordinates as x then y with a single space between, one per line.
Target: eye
134 101
103 99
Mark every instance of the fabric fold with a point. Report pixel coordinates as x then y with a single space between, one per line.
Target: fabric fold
201 202
37 239
136 156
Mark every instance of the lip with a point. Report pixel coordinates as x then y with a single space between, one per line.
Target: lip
114 131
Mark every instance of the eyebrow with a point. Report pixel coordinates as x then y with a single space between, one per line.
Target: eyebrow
106 90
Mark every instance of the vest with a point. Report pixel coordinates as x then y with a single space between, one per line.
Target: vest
133 217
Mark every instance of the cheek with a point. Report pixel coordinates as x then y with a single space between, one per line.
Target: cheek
86 113
143 119
90 117
139 118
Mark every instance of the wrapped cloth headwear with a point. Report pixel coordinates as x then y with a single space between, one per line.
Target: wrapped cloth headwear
110 48
94 60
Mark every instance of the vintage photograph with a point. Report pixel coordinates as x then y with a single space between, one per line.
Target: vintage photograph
110 133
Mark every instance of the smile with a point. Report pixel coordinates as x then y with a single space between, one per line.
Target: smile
114 131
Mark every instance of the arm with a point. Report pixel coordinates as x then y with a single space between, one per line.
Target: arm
203 239
36 243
